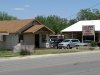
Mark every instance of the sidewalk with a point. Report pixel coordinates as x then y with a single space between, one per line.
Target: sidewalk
46 55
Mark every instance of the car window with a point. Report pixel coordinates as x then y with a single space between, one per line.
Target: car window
75 41
66 40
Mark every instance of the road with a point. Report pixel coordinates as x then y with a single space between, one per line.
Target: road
74 64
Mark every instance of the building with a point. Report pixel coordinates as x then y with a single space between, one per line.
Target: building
29 32
75 30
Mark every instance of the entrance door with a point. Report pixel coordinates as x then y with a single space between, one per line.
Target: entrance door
36 40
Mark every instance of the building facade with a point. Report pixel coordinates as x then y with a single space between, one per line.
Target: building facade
75 30
28 34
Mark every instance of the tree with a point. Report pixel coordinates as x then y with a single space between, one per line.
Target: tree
72 21
5 16
57 23
53 22
88 14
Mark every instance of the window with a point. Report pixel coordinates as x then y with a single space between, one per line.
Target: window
75 41
20 38
44 38
2 37
66 40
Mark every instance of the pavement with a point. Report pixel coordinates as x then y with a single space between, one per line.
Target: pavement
46 55
80 63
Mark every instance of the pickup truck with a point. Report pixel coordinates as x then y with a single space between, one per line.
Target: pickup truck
85 43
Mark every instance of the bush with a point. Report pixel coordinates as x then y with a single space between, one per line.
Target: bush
25 52
93 44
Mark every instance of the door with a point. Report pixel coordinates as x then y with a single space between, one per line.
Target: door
36 40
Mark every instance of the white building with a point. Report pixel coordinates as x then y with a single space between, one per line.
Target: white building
75 30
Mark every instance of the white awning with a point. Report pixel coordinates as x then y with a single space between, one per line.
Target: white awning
78 26
4 33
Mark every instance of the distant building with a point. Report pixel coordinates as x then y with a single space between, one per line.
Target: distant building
75 30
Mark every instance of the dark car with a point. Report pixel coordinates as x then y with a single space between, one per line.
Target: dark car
54 42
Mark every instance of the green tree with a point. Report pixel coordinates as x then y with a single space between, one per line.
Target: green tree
88 14
5 16
53 22
57 23
72 21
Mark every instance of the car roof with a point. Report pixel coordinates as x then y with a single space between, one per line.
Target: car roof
71 39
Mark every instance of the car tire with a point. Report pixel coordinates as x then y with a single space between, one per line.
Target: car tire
70 47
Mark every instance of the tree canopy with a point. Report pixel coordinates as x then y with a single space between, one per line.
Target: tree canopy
57 23
54 22
5 16
88 14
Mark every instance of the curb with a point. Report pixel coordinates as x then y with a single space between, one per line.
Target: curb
47 55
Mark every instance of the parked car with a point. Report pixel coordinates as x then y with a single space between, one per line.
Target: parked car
68 43
54 42
85 43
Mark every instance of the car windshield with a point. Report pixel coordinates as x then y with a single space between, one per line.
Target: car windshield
75 41
66 40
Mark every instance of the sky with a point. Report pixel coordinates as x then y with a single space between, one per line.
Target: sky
28 9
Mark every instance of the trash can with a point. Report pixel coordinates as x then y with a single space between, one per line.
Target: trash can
47 45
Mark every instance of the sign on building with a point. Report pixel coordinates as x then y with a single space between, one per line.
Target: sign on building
88 30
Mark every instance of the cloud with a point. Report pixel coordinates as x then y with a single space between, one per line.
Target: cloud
22 8
27 5
19 9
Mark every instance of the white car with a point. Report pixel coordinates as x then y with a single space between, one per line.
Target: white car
68 43
85 43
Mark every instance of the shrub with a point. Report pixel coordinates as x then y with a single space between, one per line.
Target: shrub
93 44
25 52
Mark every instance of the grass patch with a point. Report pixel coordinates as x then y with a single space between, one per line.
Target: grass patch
25 52
54 51
8 53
